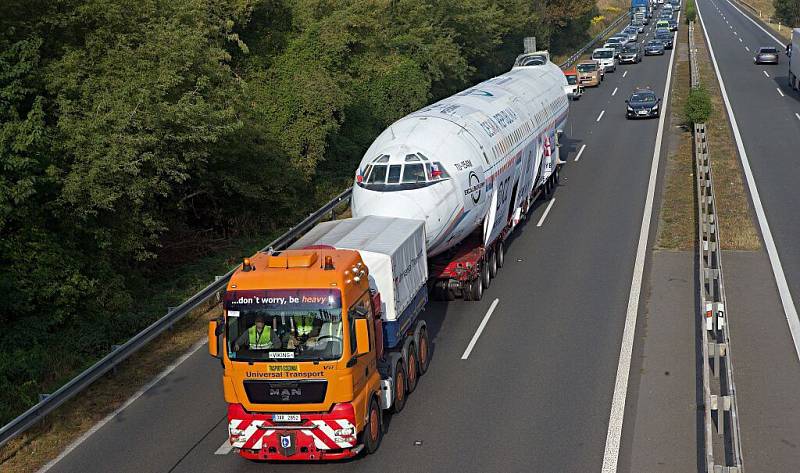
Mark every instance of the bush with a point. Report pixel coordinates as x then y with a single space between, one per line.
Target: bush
788 11
697 108
691 11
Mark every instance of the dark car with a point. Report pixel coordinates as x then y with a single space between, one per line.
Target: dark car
631 54
665 38
673 24
767 55
643 103
654 47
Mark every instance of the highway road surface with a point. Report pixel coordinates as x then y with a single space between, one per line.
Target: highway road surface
765 331
535 392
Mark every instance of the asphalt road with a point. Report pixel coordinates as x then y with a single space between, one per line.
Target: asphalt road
534 394
761 307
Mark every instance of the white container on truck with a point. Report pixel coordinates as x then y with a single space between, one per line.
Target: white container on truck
794 60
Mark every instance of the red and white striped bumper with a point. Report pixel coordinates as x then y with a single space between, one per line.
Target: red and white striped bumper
327 436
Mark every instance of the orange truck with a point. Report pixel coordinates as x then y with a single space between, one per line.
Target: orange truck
318 340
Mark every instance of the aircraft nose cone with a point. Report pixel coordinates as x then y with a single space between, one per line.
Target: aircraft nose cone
387 204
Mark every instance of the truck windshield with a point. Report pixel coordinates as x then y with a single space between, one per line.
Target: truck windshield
273 325
603 54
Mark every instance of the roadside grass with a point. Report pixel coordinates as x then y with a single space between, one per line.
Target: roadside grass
765 10
736 226
678 218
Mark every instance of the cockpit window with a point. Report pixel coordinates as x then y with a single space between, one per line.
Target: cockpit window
413 173
394 174
384 158
378 175
412 158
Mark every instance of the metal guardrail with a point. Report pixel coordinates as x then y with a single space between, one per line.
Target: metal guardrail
211 292
571 60
50 402
723 451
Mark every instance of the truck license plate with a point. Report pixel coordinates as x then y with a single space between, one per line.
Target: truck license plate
285 417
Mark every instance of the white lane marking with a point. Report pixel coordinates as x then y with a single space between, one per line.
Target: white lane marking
765 73
603 112
772 251
169 369
797 115
740 40
480 330
624 73
617 415
779 91
615 91
546 211
759 26
748 49
580 152
224 449
737 34
731 27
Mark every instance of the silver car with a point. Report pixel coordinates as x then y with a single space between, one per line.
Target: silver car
767 55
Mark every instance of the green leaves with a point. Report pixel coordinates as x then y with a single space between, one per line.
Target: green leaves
697 108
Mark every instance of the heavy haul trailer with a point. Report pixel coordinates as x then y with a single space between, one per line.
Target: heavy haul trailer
340 341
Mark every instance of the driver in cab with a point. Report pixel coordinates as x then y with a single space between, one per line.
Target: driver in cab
257 337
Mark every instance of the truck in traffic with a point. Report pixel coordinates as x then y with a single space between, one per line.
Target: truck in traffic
794 60
319 340
640 7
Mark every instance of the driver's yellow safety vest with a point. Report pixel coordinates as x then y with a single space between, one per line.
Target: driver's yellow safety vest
303 324
261 342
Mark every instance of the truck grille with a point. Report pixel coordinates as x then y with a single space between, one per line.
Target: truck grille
286 392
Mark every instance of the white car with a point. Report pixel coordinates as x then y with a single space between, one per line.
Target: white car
607 59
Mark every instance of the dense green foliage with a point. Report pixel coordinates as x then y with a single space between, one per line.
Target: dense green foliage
691 11
135 135
698 106
788 11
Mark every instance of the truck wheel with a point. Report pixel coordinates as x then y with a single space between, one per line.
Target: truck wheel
424 350
476 289
399 387
501 254
485 274
373 431
493 264
413 369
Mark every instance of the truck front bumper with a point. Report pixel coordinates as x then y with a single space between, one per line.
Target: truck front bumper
316 436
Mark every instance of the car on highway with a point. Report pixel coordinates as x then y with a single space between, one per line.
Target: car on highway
643 103
572 89
662 24
617 47
589 73
767 55
654 47
673 24
607 58
676 5
665 37
639 25
631 54
616 39
632 33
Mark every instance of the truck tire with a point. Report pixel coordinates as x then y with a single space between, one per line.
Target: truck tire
373 431
485 278
399 387
474 290
493 264
501 254
424 351
412 370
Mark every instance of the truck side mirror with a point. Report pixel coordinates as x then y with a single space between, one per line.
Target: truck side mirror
214 332
362 337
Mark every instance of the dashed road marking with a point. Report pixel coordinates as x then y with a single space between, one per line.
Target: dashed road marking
779 91
748 49
797 115
624 73
546 211
615 91
601 115
580 152
480 330
765 73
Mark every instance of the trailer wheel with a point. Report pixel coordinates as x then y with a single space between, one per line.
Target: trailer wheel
501 254
476 289
413 370
399 387
493 264
373 431
424 351
485 274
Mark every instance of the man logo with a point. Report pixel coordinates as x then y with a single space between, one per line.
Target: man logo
475 186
